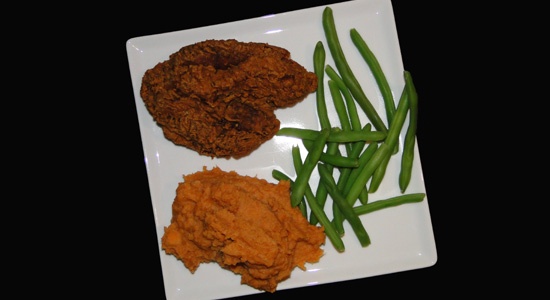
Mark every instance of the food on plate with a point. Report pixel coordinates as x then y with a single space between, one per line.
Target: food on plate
245 224
364 166
218 97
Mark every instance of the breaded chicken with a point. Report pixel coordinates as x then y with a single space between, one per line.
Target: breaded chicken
218 97
245 224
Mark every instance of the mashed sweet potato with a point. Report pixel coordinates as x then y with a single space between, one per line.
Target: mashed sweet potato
244 224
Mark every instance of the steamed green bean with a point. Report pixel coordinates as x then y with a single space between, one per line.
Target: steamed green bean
334 136
318 67
344 207
321 193
339 105
384 150
390 202
334 159
350 103
346 73
410 137
310 162
377 72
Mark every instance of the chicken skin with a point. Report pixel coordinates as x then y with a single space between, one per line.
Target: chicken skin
218 97
245 224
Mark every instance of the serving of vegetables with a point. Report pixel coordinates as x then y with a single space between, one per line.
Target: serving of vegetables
367 152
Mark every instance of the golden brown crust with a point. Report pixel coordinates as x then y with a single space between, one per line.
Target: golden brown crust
217 97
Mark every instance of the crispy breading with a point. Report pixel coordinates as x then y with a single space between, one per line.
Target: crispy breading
245 224
218 97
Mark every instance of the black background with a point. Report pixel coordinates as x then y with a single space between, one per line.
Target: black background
126 247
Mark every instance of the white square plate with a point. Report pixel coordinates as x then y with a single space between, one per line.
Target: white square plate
402 237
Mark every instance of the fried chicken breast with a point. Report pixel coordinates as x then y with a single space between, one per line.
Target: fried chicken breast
245 224
218 97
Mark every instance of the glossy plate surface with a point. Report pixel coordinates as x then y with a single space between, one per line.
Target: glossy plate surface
402 237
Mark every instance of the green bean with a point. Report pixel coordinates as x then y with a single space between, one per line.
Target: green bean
318 67
305 134
366 172
384 88
410 137
296 158
345 173
380 172
340 110
344 207
297 161
345 186
343 180
318 212
339 105
344 69
350 103
356 136
303 208
333 159
382 151
338 219
334 136
339 161
364 196
363 160
278 175
377 72
399 118
310 162
321 193
390 202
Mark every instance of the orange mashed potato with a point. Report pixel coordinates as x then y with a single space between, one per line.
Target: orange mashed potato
244 224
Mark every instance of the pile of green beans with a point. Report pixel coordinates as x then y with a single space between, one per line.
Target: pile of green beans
367 152
345 70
